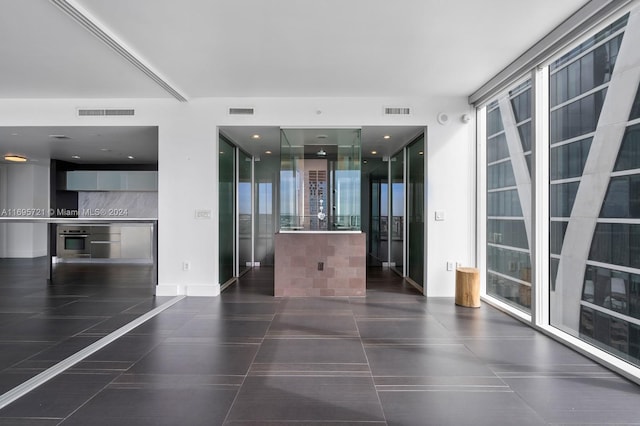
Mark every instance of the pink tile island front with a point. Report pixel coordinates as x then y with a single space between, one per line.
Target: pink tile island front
320 264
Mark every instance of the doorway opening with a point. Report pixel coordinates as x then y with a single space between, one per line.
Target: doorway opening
393 199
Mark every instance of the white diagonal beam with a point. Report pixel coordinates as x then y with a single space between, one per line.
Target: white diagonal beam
518 162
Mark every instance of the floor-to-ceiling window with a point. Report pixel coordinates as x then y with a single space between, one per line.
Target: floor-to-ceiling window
508 142
226 209
595 190
585 136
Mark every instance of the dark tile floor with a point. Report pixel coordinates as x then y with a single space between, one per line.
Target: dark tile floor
247 358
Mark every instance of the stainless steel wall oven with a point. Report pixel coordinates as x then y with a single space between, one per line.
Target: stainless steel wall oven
73 241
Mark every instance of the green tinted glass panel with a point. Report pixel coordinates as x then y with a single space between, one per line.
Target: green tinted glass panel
226 210
266 179
415 210
245 211
396 224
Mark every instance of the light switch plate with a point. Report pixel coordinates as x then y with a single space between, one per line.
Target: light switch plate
203 214
439 214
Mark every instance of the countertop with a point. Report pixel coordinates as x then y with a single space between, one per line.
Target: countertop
78 220
287 231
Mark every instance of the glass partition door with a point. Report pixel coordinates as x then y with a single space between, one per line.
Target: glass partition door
320 180
245 212
346 188
379 215
415 211
226 210
396 224
266 195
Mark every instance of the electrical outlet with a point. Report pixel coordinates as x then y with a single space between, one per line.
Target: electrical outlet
186 265
449 266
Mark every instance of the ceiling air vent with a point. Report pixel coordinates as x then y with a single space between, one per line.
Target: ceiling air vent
240 111
397 111
101 112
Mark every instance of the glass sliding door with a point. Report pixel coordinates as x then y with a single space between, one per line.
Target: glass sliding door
226 209
379 215
396 225
415 211
245 212
266 185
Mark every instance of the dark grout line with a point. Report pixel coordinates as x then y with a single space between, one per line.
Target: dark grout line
31 384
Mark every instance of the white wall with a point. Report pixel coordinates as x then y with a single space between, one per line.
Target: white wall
451 187
27 187
188 169
3 204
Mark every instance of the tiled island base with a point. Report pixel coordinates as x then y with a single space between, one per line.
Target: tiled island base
320 264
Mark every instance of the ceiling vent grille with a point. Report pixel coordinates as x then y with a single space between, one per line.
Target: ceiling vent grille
241 111
397 111
101 112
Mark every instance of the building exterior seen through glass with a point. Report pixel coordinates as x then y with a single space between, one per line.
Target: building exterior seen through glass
595 192
508 144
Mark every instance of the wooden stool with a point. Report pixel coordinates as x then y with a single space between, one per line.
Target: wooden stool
468 287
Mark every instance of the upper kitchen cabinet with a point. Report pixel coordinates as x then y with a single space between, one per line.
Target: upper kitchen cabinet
112 180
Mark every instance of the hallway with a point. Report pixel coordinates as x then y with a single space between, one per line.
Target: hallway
393 357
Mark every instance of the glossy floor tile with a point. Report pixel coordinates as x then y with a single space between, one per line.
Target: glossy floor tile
248 358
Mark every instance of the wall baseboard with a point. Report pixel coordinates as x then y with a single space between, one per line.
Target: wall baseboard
194 290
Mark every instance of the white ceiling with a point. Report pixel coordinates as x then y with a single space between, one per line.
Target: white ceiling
237 48
259 48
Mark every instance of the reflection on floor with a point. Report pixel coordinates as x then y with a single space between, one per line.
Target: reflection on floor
393 357
43 323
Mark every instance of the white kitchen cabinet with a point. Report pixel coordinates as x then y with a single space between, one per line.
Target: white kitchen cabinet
112 180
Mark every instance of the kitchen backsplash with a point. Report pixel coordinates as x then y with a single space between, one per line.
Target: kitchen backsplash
118 204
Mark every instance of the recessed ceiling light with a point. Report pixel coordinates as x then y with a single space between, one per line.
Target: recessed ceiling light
14 134
130 157
268 152
365 161
256 136
386 137
75 157
105 150
15 158
59 137
420 153
374 152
